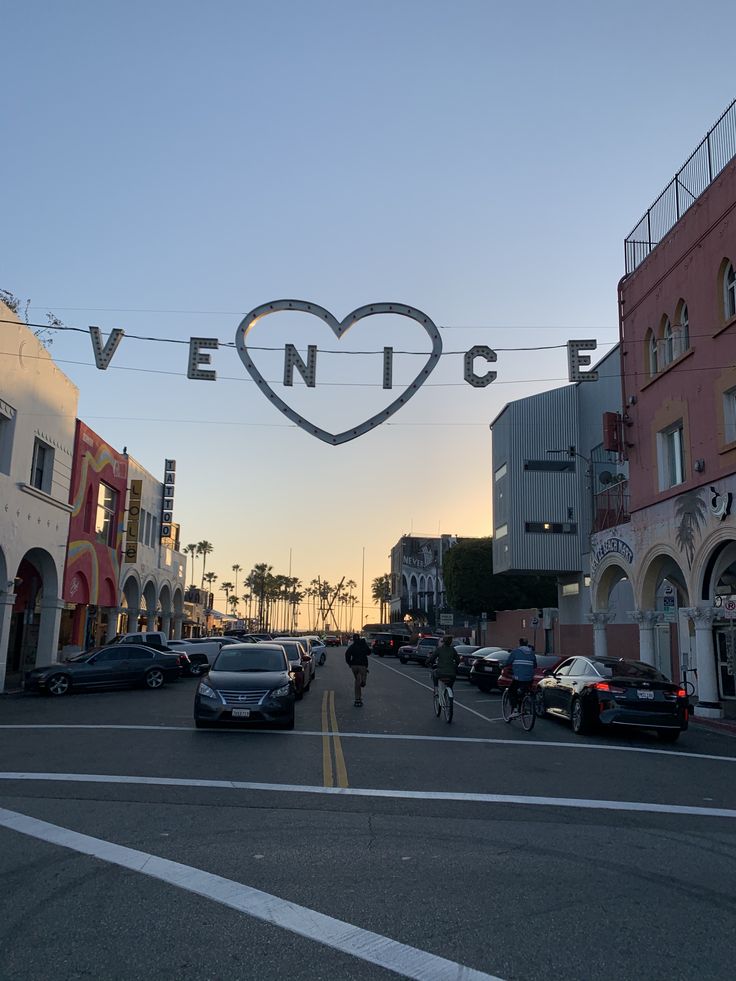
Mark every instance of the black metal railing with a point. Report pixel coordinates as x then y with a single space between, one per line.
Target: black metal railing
703 165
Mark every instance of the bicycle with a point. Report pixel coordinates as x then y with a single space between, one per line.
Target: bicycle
444 699
688 685
525 709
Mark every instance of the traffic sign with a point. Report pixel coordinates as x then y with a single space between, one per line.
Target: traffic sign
535 621
446 619
729 609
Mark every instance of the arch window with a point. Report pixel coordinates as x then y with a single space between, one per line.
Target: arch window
652 353
682 331
668 342
729 292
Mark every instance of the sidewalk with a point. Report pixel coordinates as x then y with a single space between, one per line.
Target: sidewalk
726 726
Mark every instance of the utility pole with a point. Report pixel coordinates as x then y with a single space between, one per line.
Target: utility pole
362 592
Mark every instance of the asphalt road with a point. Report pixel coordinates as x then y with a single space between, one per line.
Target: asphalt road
369 843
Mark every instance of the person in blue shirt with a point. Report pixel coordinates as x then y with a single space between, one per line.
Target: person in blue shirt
522 661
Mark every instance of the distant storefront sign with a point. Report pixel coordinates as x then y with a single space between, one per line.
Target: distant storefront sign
134 516
446 619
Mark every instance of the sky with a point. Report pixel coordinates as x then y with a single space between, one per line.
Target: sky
169 166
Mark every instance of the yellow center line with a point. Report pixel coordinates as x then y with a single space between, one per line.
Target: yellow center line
326 754
340 768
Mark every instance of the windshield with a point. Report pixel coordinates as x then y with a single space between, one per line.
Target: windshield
251 660
628 669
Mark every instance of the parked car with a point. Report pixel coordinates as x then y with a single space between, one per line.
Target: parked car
317 647
332 640
592 691
388 644
247 683
197 655
545 664
300 663
425 647
114 666
150 638
406 653
486 668
467 653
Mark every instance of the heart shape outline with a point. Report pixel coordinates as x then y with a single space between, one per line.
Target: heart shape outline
339 328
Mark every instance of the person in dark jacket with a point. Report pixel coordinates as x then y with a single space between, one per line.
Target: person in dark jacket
356 657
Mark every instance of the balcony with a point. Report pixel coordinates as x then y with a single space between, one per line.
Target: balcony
611 507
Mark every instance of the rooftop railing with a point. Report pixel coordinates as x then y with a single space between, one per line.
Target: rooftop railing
702 166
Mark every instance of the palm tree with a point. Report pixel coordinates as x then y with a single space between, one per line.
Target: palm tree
227 588
204 548
233 601
381 592
258 580
190 550
236 569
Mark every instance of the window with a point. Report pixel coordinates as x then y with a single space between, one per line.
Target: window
551 466
501 472
7 430
502 531
42 468
682 331
552 527
570 589
668 343
729 292
670 456
105 526
729 415
147 535
652 352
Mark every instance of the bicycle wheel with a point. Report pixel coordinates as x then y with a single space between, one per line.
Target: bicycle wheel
437 704
689 688
506 707
448 703
528 715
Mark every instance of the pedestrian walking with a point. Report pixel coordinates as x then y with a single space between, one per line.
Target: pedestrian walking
356 657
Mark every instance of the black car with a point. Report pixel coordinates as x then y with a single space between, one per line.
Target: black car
592 691
115 666
487 666
247 683
388 644
467 655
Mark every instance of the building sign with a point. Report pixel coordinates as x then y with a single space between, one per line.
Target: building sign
446 619
167 504
670 610
612 546
134 517
200 359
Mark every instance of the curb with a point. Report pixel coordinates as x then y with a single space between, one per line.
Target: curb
728 727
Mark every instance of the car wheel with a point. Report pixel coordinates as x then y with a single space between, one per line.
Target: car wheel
539 705
579 717
484 687
195 670
59 684
404 660
668 735
201 724
153 678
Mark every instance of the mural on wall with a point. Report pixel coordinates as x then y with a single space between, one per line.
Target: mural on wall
690 513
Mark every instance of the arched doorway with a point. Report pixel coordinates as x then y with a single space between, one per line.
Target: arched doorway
35 615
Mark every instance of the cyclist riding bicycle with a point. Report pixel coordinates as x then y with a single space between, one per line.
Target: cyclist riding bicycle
522 661
446 659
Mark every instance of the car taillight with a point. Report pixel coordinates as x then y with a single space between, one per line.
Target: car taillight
605 686
681 693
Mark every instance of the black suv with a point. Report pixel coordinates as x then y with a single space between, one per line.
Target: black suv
389 643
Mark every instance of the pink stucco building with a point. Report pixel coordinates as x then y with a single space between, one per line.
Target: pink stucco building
677 308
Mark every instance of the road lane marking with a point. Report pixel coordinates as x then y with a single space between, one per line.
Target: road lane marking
430 688
523 742
406 961
581 803
326 743
341 771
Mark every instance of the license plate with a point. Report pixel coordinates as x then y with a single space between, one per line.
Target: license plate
645 694
241 713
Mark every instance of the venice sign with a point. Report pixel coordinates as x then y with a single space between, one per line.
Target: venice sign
200 359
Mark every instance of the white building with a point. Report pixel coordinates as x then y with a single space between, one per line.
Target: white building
152 586
38 408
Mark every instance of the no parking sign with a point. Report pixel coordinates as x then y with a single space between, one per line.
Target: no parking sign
729 609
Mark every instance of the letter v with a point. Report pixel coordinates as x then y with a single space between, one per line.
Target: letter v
103 355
